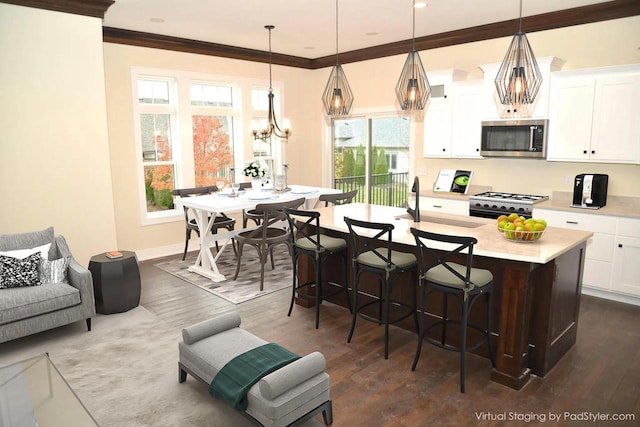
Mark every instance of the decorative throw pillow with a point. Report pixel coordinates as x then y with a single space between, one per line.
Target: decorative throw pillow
16 272
23 253
54 271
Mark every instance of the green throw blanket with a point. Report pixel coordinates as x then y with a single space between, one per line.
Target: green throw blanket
235 379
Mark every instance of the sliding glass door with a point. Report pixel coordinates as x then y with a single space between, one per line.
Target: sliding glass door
371 154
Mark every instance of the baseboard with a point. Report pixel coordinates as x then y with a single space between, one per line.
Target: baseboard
627 299
162 251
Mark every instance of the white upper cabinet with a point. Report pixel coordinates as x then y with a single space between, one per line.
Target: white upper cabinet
438 113
539 109
594 115
468 113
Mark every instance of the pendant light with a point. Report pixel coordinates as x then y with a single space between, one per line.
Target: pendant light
519 78
337 97
272 127
413 87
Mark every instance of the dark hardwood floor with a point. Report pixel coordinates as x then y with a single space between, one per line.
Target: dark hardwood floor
600 376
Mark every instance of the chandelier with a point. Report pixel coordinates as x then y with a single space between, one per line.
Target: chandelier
413 87
519 78
337 97
271 127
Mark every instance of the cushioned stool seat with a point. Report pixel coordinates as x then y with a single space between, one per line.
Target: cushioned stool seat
288 396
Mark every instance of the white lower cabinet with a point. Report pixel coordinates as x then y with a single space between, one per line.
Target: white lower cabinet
612 259
626 264
444 205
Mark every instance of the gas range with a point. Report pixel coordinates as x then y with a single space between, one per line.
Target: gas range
493 204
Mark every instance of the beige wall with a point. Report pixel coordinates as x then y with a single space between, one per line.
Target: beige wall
54 147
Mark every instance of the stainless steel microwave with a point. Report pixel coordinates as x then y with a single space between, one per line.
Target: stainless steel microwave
514 138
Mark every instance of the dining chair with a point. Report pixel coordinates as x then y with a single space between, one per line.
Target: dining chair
371 246
249 214
221 220
307 240
270 233
441 271
336 199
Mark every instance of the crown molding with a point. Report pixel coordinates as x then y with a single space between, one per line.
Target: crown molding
94 8
565 18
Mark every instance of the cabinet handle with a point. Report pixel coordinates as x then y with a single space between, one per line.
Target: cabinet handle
619 245
437 206
572 222
444 149
593 151
584 152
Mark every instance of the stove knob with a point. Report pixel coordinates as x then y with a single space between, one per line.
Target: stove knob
504 208
478 205
495 206
520 209
486 205
511 208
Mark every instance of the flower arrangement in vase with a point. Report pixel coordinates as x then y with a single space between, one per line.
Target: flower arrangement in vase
255 169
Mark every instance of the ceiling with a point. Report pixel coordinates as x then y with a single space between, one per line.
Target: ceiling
307 28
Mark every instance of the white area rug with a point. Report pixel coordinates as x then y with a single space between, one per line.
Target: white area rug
125 371
247 285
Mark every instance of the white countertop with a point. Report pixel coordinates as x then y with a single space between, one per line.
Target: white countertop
620 206
491 243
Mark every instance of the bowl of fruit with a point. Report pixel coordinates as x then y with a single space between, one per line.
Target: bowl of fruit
516 228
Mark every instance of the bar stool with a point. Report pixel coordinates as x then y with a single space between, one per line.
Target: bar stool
388 265
306 239
462 281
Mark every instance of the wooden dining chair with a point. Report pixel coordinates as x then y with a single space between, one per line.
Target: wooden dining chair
336 199
272 231
221 220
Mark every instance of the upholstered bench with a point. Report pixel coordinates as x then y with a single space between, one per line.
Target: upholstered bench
288 396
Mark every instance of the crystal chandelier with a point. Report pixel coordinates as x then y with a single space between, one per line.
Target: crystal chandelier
413 87
271 127
337 97
519 78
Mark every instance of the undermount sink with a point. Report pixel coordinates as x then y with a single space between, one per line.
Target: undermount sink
428 217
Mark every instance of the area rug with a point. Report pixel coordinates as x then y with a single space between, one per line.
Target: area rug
247 285
125 371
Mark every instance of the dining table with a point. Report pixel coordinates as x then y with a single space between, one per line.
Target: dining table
205 208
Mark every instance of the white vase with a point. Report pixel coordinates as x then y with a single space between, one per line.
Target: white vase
256 184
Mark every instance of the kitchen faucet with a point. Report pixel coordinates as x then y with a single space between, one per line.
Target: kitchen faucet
415 213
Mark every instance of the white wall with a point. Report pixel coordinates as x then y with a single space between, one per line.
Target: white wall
54 147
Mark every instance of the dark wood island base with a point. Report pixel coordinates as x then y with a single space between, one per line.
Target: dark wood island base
535 309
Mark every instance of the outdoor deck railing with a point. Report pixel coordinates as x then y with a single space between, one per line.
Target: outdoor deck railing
385 189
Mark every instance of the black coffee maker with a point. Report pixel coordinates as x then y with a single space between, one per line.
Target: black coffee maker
590 191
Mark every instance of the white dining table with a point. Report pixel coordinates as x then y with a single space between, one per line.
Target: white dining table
205 208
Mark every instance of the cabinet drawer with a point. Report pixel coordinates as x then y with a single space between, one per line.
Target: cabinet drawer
579 221
628 227
434 204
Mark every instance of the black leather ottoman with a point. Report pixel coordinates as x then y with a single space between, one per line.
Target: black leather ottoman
116 282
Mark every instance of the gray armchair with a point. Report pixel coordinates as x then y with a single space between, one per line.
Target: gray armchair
27 310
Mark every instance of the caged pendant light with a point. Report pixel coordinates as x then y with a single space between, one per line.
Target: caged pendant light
413 87
337 97
519 78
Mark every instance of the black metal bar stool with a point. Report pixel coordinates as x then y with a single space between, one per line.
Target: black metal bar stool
306 239
466 284
388 265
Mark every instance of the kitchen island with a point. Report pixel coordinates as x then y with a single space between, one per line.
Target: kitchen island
537 284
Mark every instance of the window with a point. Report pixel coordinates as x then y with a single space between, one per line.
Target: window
371 154
156 118
190 131
212 123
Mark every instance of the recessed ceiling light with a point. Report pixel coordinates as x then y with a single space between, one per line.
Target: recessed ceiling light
371 33
420 4
157 20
